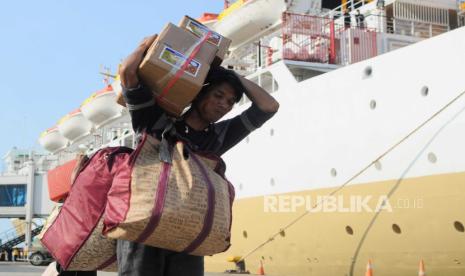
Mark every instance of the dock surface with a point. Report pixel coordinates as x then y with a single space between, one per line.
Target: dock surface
25 269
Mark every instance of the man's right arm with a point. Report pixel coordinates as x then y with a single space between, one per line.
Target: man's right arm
139 99
142 108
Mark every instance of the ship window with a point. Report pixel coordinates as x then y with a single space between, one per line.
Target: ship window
459 226
367 72
267 82
244 234
349 230
424 91
396 229
333 172
12 195
272 182
432 157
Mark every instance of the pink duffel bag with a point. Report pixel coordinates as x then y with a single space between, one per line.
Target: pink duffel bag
183 204
74 237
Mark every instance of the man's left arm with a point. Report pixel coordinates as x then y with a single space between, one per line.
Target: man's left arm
264 106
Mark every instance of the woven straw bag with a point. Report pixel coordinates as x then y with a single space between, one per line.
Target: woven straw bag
183 205
74 234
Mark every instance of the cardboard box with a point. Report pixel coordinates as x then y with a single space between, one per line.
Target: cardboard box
163 62
200 30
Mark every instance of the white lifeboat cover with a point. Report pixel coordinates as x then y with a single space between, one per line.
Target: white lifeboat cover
243 20
52 140
101 107
74 125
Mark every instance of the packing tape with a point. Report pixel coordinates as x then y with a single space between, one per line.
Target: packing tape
178 72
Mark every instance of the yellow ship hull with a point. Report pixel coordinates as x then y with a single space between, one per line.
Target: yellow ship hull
425 223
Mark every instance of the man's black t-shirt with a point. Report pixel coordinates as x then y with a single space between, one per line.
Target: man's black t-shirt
217 138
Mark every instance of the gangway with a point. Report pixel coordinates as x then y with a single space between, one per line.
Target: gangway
13 237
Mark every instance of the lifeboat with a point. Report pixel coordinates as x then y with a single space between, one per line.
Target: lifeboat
74 125
208 19
101 107
245 19
52 140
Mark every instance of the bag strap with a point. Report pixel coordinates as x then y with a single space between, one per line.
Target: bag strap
165 147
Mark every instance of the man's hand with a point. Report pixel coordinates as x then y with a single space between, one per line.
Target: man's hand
258 95
129 67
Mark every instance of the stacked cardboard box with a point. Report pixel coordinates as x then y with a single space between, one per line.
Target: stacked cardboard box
200 30
177 63
175 68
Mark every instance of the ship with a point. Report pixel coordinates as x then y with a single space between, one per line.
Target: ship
363 164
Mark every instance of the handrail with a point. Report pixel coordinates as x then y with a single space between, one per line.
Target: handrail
12 233
339 9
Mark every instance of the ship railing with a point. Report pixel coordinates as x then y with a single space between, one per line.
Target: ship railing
324 40
417 29
8 237
307 38
351 5
114 134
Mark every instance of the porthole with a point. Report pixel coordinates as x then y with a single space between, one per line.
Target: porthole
247 139
244 234
271 132
367 72
241 186
349 230
378 165
263 257
372 104
459 226
432 157
272 182
424 91
282 233
333 172
396 229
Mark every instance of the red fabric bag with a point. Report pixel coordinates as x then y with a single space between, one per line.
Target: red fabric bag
75 237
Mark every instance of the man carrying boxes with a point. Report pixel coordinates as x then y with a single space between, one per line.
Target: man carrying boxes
160 79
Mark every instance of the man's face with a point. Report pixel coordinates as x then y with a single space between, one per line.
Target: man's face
218 101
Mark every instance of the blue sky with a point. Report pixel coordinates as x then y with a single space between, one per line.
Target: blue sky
51 52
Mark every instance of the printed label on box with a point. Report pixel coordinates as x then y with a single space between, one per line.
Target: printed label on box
200 30
177 59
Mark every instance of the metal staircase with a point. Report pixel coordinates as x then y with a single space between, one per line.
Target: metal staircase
11 237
